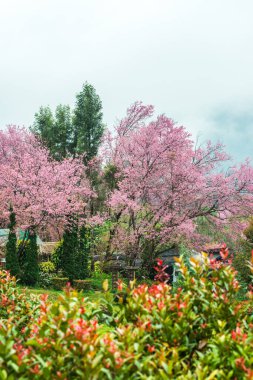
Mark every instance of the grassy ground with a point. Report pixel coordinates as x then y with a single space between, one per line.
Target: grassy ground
53 294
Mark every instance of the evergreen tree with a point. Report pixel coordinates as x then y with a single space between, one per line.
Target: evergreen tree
44 127
74 252
87 122
67 136
55 131
69 251
12 263
83 254
63 132
30 265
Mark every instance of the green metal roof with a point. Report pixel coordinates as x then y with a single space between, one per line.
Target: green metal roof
4 232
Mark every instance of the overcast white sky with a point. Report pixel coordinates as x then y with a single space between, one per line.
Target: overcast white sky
192 59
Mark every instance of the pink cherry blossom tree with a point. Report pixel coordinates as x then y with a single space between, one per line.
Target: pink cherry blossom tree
40 190
164 183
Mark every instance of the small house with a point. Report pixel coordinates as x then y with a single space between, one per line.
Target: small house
45 248
213 249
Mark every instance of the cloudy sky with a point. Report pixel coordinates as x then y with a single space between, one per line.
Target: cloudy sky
192 59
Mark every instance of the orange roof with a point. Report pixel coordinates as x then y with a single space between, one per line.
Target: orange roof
212 246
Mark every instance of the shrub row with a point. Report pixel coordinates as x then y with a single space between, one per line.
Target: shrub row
60 283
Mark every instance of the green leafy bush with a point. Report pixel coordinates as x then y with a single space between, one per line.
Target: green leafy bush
47 267
248 232
15 304
98 267
98 278
58 283
197 332
82 284
242 257
45 280
240 263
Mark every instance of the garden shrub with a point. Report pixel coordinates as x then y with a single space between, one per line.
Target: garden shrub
240 263
241 260
98 278
198 332
58 283
82 284
98 267
15 304
248 232
45 280
47 267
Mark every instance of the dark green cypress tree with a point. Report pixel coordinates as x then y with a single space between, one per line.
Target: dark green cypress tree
12 263
83 254
31 265
69 251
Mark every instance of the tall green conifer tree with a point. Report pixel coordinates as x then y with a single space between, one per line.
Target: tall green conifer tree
63 132
69 251
12 263
83 254
87 122
44 127
67 134
31 265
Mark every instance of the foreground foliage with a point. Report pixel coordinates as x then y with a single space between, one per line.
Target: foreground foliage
198 331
